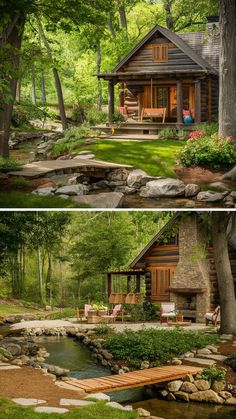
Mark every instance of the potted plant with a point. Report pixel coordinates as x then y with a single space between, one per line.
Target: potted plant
100 309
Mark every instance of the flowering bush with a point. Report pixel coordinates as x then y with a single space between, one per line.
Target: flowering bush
196 134
213 151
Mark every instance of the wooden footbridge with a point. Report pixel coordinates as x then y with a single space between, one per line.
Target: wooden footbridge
134 379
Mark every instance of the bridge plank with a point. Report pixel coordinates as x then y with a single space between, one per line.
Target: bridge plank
135 378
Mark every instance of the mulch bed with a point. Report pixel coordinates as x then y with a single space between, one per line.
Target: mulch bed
28 382
200 175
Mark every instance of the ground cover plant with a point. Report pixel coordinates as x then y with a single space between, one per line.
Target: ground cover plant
8 409
157 159
155 346
8 164
212 373
24 200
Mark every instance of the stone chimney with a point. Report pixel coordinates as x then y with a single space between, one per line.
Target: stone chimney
190 287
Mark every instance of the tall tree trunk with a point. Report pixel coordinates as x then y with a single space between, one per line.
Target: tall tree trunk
34 98
169 14
48 284
40 275
18 90
123 19
99 60
220 220
56 78
110 25
43 89
227 100
11 35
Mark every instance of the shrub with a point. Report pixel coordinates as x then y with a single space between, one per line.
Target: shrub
167 134
231 361
208 129
102 329
94 116
182 134
156 346
7 164
118 117
66 312
196 134
211 151
73 137
212 373
24 113
20 182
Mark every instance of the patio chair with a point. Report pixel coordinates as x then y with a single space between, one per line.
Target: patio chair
167 310
116 313
83 312
213 317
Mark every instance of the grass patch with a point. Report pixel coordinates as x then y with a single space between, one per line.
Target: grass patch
7 164
155 158
24 200
98 410
155 346
63 313
6 309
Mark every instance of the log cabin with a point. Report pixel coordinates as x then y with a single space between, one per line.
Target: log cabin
178 266
170 71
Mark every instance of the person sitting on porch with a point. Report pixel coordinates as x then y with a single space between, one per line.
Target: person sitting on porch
187 117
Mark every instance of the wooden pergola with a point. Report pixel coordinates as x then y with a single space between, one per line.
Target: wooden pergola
130 273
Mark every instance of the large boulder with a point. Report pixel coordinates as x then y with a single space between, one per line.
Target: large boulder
101 200
49 191
191 190
219 386
165 187
202 384
135 177
182 396
231 174
79 189
188 387
174 385
210 196
118 175
207 396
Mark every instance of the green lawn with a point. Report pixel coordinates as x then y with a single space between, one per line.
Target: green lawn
10 410
27 200
6 309
157 158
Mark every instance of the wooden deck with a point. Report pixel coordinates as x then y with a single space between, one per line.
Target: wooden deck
134 379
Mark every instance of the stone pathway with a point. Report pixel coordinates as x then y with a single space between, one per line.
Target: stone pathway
101 200
28 402
43 168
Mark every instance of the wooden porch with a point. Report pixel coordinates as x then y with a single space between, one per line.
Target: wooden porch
141 127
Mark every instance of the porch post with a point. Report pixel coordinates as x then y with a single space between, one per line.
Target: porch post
137 283
111 106
128 284
148 284
179 102
197 102
109 284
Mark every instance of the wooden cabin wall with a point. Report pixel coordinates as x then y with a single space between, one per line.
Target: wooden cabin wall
142 60
204 116
214 97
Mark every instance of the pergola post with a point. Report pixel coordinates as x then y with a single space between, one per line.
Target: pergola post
137 283
109 284
129 282
179 94
197 102
111 105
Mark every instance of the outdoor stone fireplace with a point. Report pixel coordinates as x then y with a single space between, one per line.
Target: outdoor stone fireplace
190 285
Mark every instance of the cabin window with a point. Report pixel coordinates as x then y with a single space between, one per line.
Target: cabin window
160 53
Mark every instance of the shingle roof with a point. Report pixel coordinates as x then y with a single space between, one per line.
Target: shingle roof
206 46
194 44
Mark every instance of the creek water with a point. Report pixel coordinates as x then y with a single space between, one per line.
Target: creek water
25 152
67 353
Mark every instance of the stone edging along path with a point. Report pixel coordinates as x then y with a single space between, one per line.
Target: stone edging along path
189 389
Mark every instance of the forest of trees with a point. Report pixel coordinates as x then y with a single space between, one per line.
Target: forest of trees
61 258
50 50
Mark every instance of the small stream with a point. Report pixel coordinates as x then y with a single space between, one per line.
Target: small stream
25 152
67 353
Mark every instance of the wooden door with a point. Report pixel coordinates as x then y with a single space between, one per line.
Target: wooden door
161 282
